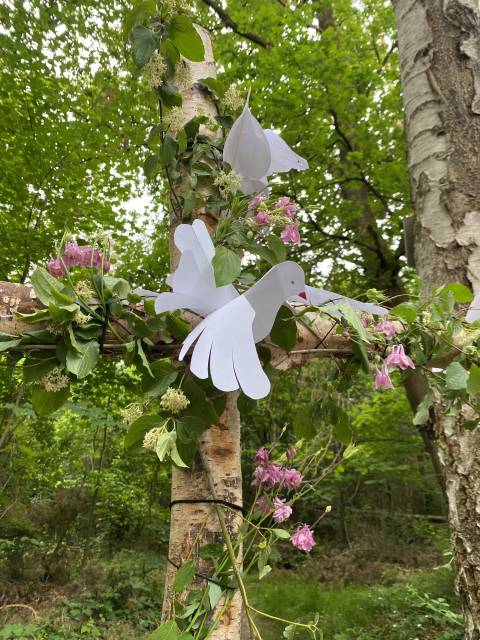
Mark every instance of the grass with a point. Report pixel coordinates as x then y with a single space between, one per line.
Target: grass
423 607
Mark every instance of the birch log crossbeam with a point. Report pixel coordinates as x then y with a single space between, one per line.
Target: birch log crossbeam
317 336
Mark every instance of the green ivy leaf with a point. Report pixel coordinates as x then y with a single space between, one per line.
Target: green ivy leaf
284 330
46 402
81 364
150 165
43 284
186 38
473 383
226 265
144 42
137 430
166 631
456 376
184 576
423 410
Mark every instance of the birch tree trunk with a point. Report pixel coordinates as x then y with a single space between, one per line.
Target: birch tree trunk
439 46
216 472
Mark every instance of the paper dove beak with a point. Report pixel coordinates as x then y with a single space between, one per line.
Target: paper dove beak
303 295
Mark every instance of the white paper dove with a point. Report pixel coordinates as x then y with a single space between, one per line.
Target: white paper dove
257 153
224 341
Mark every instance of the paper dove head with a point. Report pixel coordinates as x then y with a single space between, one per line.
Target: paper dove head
257 153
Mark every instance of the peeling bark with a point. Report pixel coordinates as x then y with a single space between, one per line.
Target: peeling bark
439 46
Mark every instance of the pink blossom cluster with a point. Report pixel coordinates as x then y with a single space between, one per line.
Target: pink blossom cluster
268 475
396 359
284 210
75 255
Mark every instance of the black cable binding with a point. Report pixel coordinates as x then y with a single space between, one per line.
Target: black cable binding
225 503
204 577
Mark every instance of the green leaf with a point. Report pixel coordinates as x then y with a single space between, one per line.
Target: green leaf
137 430
138 326
137 15
406 311
5 345
150 164
211 551
200 406
283 534
277 247
226 265
81 364
36 368
43 284
264 571
144 42
214 594
422 415
164 374
353 320
168 150
33 318
166 631
460 292
170 95
360 354
214 86
184 576
456 376
46 402
176 326
473 384
284 330
186 38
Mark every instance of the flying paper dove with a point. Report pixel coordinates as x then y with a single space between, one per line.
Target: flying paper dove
224 342
256 153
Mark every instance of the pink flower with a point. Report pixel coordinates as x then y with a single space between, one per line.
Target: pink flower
85 256
262 456
267 476
291 452
382 379
256 200
282 511
398 358
303 538
56 268
366 320
262 217
288 208
291 479
263 506
386 327
106 265
71 254
290 234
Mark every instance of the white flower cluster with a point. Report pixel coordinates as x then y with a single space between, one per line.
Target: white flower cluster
233 99
55 380
154 69
174 400
171 7
132 412
84 289
174 118
151 438
183 75
227 182
81 318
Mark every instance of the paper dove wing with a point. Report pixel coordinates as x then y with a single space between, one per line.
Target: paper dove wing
473 312
226 346
283 158
193 282
246 148
328 298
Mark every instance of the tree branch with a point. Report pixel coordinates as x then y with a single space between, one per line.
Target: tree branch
231 24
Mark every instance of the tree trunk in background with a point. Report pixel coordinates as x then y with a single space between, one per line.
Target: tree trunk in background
194 525
439 46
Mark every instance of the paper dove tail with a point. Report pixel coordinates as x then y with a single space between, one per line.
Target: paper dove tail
283 157
328 298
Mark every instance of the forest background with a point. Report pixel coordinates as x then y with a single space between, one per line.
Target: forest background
83 523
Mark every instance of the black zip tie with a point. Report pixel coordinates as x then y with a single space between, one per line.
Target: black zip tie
225 503
204 577
104 328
